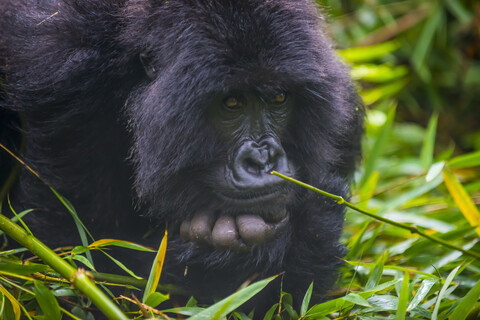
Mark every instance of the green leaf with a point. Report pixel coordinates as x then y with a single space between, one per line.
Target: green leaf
421 293
156 269
403 298
21 268
270 312
306 300
82 230
15 305
185 311
368 189
426 155
83 260
445 286
232 302
357 299
466 304
155 298
424 43
462 199
121 265
412 194
376 273
458 10
47 301
380 92
466 160
119 243
369 53
18 217
378 73
378 147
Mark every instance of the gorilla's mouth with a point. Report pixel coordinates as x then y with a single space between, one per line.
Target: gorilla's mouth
233 232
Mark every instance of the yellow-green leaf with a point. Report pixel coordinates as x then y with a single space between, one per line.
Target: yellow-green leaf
13 301
119 243
156 270
462 199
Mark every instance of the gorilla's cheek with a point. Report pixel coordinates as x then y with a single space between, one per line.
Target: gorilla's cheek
233 232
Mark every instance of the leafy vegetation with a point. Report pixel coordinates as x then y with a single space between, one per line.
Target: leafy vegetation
413 222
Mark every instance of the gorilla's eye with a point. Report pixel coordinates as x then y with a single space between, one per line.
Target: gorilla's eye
232 102
280 98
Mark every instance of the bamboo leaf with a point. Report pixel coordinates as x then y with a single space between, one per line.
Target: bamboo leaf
424 44
227 305
157 267
369 53
426 155
466 303
378 73
422 292
384 91
403 298
466 160
379 146
376 273
119 243
47 301
306 300
445 286
462 199
155 298
13 301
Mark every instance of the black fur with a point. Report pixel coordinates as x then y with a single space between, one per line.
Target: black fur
130 152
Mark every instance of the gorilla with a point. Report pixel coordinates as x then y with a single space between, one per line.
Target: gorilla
153 114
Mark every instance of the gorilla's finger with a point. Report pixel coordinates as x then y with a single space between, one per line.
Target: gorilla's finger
224 234
201 227
253 229
185 230
275 216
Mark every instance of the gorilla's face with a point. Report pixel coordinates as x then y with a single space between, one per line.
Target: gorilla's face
251 124
225 102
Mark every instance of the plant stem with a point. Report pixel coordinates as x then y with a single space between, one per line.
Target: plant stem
79 278
412 229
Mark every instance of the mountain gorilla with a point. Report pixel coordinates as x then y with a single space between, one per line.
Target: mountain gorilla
148 114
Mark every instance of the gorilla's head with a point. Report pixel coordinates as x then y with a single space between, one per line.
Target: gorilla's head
232 91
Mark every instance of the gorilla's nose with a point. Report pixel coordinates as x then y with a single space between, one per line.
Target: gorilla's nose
255 160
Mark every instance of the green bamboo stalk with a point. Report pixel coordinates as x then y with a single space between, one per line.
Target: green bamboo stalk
78 278
412 229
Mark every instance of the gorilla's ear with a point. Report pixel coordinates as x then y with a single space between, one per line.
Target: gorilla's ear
148 65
